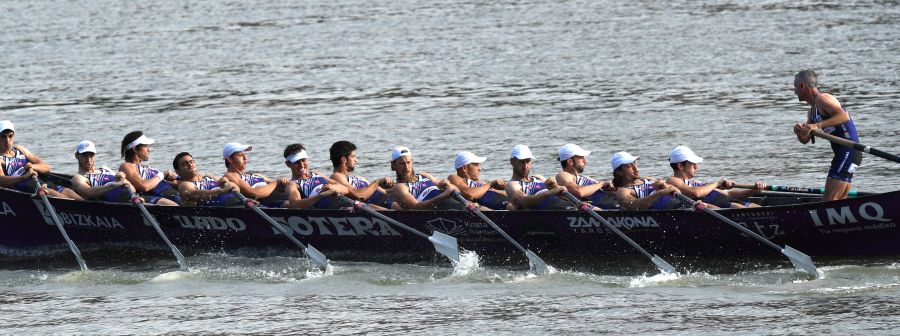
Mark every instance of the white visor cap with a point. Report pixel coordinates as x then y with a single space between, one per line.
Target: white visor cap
622 158
465 157
7 125
234 147
521 152
567 151
683 153
85 146
142 140
400 151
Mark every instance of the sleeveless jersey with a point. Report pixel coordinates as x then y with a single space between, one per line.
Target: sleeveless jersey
423 188
357 182
14 165
533 187
207 183
102 177
254 180
491 199
846 130
311 186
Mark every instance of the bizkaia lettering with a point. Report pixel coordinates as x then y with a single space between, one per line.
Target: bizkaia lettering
618 222
69 218
846 215
6 210
341 226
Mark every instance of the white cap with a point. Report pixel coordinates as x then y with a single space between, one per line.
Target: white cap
683 153
234 147
293 158
7 125
142 140
464 158
622 158
85 146
567 151
521 152
400 151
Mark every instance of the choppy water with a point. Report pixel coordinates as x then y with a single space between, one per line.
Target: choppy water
641 76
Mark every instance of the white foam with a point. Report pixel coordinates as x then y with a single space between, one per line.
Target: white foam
654 280
469 261
174 276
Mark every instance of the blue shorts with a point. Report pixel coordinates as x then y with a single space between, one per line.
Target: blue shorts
493 200
164 190
226 199
603 200
845 162
380 199
554 203
718 199
665 202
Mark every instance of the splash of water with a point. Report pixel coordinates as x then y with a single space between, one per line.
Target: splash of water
469 261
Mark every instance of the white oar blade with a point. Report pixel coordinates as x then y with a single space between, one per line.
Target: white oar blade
663 265
316 257
538 266
446 245
800 260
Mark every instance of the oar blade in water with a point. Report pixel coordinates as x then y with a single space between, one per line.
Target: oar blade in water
318 258
663 265
538 266
800 260
445 244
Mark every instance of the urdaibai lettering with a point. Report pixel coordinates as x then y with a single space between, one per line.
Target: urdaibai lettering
211 223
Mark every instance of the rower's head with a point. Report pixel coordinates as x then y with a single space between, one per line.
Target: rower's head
806 85
468 165
343 153
572 155
136 144
684 162
520 159
7 135
85 153
401 161
625 168
296 158
185 166
235 155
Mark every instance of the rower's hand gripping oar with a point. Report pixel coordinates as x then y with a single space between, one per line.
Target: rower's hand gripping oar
659 262
799 259
801 190
139 202
855 145
311 252
443 243
538 266
43 194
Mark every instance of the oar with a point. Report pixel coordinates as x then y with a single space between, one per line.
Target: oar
443 243
43 193
659 262
538 266
311 252
801 190
799 259
139 202
855 145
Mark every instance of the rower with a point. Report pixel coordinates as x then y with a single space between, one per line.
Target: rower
146 179
490 195
685 164
532 192
419 191
826 114
343 160
202 189
637 193
102 183
271 193
573 159
20 166
316 190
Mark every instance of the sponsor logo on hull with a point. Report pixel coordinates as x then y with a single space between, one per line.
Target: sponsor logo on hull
68 218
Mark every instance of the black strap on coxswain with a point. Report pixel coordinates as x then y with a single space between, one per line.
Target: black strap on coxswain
311 252
139 203
537 265
855 145
443 243
43 194
800 260
659 262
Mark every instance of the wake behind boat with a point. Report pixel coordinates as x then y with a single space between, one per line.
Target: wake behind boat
864 226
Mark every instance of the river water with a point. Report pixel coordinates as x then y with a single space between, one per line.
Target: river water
439 77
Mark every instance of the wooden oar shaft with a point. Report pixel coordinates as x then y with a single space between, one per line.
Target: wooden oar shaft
855 145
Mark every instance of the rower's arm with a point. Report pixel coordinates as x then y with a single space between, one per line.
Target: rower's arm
629 200
832 108
689 191
81 186
518 198
36 163
470 193
582 192
134 177
249 191
407 201
190 192
355 193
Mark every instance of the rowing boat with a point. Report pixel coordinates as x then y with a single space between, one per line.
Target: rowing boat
856 227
